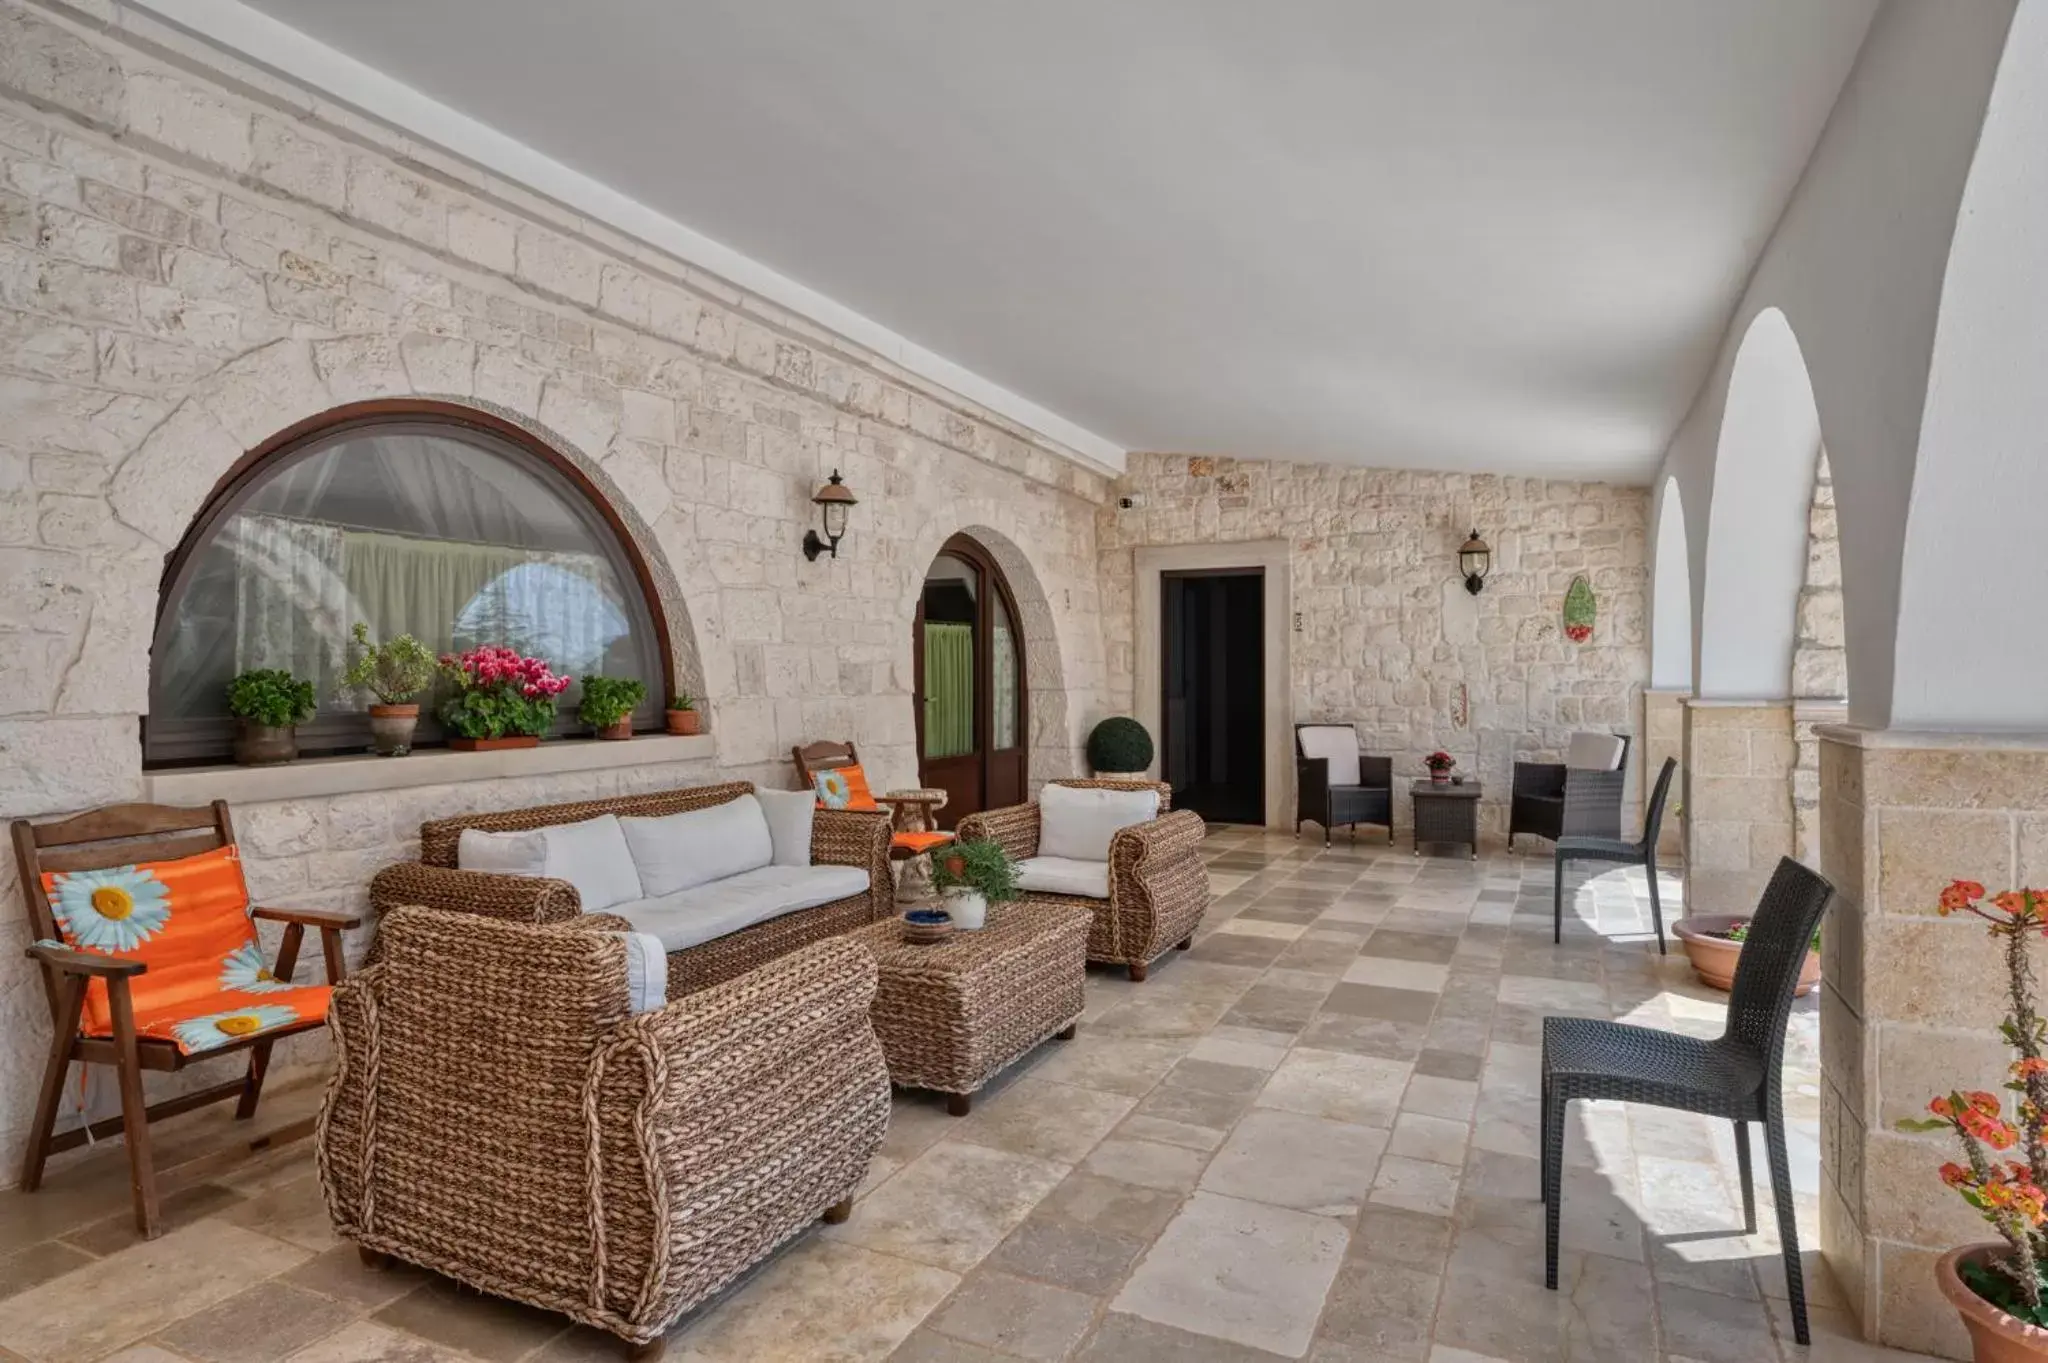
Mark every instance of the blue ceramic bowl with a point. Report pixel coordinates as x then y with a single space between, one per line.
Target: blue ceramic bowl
928 917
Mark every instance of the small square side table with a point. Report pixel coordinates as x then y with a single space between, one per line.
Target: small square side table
1446 813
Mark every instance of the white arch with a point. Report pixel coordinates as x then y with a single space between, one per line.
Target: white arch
1671 595
1764 459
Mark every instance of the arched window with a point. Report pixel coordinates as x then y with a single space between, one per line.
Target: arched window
414 518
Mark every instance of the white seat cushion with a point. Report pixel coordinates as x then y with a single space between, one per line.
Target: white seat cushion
502 854
1594 752
675 852
1336 742
646 972
690 917
1078 822
789 814
1064 875
592 856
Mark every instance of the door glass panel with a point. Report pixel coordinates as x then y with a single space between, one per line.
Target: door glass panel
950 613
1002 675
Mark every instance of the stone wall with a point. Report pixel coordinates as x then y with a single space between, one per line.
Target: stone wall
1820 659
195 256
1384 630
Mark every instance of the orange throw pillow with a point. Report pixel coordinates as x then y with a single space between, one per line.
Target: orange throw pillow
844 788
187 920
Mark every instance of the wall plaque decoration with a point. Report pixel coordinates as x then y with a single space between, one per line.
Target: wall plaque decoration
1580 610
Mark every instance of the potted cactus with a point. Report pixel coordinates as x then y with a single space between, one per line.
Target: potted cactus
271 703
608 704
1120 749
394 672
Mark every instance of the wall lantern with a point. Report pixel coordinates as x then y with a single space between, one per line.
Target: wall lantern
1474 561
832 499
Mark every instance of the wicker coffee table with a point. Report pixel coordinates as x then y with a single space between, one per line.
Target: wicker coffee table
951 1015
1446 813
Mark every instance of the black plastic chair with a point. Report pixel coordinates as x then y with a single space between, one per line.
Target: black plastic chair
1371 801
1642 854
1738 1075
1555 800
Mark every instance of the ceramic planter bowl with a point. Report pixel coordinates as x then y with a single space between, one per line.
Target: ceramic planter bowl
1995 1337
622 730
260 745
1713 957
391 729
967 908
685 722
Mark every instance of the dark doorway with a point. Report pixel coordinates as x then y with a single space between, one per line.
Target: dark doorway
972 727
1213 673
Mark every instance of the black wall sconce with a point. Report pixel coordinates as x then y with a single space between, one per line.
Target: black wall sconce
832 499
1475 560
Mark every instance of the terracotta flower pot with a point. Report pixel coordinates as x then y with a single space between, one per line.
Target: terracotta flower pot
494 744
1713 957
391 729
616 732
685 722
260 745
1995 1337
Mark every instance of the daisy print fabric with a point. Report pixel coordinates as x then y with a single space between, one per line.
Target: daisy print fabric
207 981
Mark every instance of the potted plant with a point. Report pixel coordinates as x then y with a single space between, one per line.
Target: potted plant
1440 764
1997 1287
271 703
608 704
1119 749
970 876
394 672
501 700
682 715
1713 942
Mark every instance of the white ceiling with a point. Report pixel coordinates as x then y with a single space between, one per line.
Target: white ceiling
1484 235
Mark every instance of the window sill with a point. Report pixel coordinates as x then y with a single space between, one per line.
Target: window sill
317 776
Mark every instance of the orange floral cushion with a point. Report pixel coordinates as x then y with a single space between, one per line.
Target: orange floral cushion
187 920
844 788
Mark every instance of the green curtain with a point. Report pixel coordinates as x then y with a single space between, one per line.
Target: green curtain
948 689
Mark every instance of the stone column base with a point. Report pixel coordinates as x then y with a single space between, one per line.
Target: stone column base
1738 765
1911 1002
1664 736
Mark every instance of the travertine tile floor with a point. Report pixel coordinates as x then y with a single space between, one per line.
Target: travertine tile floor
1312 1136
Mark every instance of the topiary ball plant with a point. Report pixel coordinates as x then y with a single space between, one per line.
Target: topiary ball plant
1119 744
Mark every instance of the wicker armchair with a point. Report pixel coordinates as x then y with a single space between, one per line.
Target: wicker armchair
500 1114
838 838
1335 784
1579 797
1158 884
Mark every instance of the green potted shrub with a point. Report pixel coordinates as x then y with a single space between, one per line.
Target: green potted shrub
608 704
1120 749
682 715
394 672
501 699
271 703
970 876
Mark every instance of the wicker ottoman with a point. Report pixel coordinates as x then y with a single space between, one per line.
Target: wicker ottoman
951 1015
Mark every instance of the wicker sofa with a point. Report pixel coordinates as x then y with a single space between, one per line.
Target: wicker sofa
1158 886
845 838
506 1112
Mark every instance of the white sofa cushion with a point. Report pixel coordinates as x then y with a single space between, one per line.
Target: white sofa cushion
690 917
675 852
1077 822
502 854
789 814
646 972
1064 875
1594 752
592 856
1338 743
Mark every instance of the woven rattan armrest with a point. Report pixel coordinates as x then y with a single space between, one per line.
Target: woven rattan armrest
1014 828
1539 778
512 899
88 963
308 918
1149 845
594 922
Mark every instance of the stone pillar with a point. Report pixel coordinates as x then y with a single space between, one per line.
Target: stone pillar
1911 1002
1808 716
1737 766
1663 734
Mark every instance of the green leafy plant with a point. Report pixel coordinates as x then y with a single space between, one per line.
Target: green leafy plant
499 694
977 865
607 700
272 696
683 701
394 672
1119 744
1740 933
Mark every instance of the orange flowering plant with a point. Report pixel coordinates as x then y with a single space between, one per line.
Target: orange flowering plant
2008 1193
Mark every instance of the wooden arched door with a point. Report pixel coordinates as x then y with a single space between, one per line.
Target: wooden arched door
972 711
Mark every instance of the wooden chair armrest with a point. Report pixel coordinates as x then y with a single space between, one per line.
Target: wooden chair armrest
308 918
92 963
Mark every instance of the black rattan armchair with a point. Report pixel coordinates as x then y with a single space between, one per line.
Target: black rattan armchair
1566 800
1642 854
1335 784
1738 1075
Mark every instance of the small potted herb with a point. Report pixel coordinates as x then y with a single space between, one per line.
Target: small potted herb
970 876
608 704
1713 943
501 700
1119 749
682 715
394 672
271 703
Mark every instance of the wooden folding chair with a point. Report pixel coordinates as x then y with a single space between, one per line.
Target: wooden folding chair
123 835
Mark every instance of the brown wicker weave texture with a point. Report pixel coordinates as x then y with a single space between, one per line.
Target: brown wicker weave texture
1158 884
838 838
496 1115
951 1015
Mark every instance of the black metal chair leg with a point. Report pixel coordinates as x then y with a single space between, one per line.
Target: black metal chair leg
1656 907
1553 1184
1788 1221
1748 1178
1557 903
